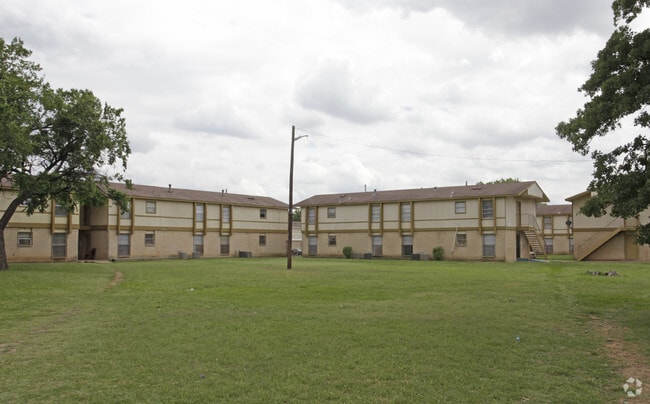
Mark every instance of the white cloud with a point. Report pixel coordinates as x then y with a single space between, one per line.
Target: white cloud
210 90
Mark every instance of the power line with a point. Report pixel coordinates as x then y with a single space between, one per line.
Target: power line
437 154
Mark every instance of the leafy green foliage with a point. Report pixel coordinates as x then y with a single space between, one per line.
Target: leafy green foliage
500 181
347 251
438 253
55 144
619 87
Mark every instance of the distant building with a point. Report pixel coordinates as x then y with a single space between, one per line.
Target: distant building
161 223
472 222
605 238
556 227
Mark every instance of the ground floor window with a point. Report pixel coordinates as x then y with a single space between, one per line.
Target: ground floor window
570 245
377 249
225 245
407 245
489 245
313 245
331 240
24 239
461 239
149 239
59 245
198 244
262 239
123 245
548 245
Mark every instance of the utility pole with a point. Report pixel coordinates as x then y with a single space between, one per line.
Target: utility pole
290 231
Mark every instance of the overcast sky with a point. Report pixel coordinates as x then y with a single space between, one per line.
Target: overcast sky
392 94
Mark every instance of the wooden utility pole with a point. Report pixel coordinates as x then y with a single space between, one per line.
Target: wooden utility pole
290 230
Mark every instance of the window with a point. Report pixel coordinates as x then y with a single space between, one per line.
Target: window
548 222
150 207
489 245
375 213
127 213
488 208
197 247
123 245
460 207
225 245
407 245
331 240
461 239
262 239
406 212
377 249
59 245
199 212
225 214
24 239
262 213
313 245
548 245
331 213
311 216
570 245
149 239
60 210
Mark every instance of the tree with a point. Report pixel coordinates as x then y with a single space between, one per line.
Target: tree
499 181
61 145
618 89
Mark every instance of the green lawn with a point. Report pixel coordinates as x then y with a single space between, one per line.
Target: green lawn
248 330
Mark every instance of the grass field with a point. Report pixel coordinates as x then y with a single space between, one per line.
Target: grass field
248 330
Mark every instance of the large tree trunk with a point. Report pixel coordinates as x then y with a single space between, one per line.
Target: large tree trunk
4 221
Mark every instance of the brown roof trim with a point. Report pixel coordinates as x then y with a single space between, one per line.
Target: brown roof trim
425 194
549 210
189 195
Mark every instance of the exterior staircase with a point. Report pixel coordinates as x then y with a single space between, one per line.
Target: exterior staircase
536 242
591 245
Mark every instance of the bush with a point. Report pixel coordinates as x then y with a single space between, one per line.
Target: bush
347 251
438 253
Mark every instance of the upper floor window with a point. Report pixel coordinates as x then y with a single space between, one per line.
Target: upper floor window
460 207
263 213
488 208
311 215
548 222
127 213
60 210
375 213
225 214
331 213
150 207
406 212
199 212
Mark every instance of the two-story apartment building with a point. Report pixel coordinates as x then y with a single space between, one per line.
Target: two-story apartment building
42 236
606 238
556 226
162 222
471 222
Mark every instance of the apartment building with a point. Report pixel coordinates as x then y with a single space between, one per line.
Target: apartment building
471 222
162 222
605 238
555 224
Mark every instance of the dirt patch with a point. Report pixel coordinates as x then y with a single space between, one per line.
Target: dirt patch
625 355
117 278
8 347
